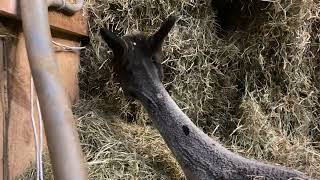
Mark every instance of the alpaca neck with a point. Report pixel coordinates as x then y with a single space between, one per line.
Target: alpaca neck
200 156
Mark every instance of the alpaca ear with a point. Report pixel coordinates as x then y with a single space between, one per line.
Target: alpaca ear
158 37
117 44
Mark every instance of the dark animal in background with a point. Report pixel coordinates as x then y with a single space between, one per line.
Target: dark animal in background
235 15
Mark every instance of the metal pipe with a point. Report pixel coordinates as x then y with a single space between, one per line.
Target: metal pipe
66 6
62 137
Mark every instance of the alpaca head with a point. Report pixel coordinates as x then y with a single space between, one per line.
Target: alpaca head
137 58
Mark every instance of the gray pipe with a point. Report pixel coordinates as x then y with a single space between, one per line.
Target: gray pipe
65 5
62 137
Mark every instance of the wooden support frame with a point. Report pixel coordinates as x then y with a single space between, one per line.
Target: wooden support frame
73 25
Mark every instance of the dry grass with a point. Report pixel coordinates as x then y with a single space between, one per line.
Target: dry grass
256 87
117 150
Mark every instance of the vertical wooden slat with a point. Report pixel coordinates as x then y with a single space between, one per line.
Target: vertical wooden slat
21 151
3 110
2 121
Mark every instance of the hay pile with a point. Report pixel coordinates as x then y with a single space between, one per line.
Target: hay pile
250 78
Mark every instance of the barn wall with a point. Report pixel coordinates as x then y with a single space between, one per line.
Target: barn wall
16 134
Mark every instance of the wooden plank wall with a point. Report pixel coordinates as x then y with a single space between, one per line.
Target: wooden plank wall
20 138
19 143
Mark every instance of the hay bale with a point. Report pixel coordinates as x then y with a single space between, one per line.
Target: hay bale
117 150
253 87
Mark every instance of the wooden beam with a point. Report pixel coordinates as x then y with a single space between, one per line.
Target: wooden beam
73 25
